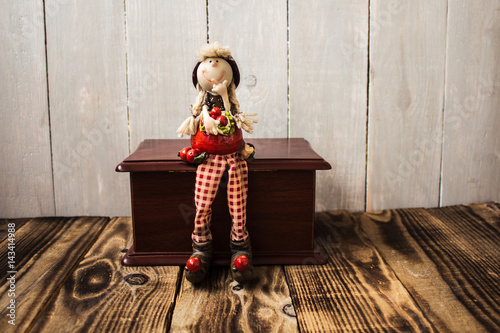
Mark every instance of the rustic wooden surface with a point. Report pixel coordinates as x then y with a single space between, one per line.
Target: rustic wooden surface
4 226
102 296
356 291
222 305
471 144
88 106
264 73
328 79
401 97
46 251
162 40
407 57
26 185
419 270
448 258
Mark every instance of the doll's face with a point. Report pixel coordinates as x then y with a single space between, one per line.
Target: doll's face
213 71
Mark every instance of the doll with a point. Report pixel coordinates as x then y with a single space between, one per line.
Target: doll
215 128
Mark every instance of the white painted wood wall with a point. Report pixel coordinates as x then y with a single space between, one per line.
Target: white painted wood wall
401 97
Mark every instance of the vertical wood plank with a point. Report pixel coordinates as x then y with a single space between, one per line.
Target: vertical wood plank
25 157
407 58
328 78
162 40
87 84
471 157
256 32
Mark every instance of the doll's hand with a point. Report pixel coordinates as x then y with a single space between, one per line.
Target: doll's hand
220 88
247 151
211 125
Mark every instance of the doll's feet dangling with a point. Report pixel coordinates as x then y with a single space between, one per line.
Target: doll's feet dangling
199 262
241 260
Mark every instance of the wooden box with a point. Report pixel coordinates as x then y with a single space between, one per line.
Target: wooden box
280 205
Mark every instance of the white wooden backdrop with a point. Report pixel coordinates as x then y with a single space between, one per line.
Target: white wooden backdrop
401 97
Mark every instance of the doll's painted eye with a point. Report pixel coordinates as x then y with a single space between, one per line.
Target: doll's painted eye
210 61
216 60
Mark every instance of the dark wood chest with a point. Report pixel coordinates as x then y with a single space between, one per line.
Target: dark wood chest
280 205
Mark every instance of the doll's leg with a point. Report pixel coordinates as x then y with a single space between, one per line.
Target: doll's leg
237 191
208 176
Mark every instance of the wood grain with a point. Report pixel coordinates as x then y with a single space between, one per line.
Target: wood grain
256 32
488 211
4 226
162 40
222 305
25 157
328 79
46 251
407 62
101 295
471 156
88 106
356 290
447 258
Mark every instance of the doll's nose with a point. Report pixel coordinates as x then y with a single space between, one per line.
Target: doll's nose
214 63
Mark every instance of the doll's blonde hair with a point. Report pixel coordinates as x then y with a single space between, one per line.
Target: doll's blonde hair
214 50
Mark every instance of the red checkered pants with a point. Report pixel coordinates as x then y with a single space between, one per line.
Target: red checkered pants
208 177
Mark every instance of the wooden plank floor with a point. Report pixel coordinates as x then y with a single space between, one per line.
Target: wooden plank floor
405 270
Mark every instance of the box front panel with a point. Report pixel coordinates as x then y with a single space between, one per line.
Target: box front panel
280 211
163 211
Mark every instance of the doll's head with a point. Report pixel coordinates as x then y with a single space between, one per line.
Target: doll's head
215 65
215 62
213 71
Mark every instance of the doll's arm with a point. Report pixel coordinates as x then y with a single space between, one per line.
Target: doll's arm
221 89
244 121
188 126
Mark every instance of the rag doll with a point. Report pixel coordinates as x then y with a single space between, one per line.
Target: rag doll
217 144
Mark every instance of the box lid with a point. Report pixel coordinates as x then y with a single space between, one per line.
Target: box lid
271 154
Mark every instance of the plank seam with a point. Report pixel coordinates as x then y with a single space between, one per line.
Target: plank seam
178 285
445 85
70 272
48 109
290 291
288 69
367 127
208 23
126 75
